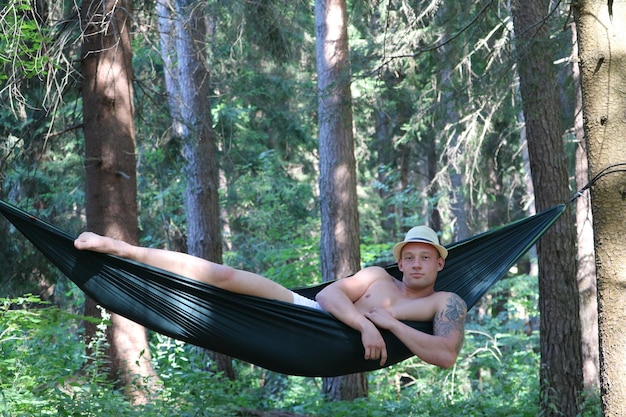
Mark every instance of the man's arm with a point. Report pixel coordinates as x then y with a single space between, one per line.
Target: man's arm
338 299
444 345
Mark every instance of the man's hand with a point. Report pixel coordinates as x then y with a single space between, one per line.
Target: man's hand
374 344
382 318
440 348
339 299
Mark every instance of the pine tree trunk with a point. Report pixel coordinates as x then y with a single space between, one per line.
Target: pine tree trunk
389 116
183 34
340 253
111 168
586 275
602 62
446 121
560 335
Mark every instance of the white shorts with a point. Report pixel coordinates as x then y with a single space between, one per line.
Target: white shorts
303 301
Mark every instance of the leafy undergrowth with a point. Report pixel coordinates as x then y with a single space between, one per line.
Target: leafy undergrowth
43 372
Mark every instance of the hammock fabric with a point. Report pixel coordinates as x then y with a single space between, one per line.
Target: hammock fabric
277 336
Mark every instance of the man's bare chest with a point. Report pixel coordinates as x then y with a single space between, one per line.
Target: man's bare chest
389 295
383 293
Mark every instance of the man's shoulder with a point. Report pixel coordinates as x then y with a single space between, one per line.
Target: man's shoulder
378 271
376 268
445 298
368 276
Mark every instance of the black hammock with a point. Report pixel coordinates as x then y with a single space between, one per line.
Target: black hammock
278 336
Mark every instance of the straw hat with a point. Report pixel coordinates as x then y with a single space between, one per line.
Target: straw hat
422 234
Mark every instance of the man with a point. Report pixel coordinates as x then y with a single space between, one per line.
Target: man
368 300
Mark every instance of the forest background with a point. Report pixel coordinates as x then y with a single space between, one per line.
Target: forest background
440 139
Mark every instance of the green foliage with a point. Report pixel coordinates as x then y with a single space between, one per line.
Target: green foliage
21 40
48 185
44 371
30 366
274 222
264 101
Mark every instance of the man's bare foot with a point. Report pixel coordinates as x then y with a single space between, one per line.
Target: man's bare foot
94 242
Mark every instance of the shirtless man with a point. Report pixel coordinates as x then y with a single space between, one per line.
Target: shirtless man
368 300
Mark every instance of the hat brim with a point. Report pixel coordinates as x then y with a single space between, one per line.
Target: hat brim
397 249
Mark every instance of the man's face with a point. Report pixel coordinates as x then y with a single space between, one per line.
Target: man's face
420 263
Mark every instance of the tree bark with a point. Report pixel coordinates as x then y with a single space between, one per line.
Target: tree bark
602 61
389 116
586 275
561 359
183 36
340 252
111 189
447 122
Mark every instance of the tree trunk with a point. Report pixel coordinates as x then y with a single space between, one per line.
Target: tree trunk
111 189
587 282
447 122
340 253
602 61
389 117
432 157
183 34
561 362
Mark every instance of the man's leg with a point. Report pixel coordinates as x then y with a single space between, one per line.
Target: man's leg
222 276
244 282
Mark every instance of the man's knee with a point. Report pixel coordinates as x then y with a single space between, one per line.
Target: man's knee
222 275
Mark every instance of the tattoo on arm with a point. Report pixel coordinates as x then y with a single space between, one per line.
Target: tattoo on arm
451 318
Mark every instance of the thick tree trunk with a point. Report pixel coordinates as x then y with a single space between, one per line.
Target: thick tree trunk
340 253
111 168
183 36
602 61
561 362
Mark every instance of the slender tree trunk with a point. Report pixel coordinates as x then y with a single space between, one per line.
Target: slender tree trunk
447 123
183 36
389 115
433 190
561 361
449 117
587 282
338 200
530 192
383 144
602 61
111 190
